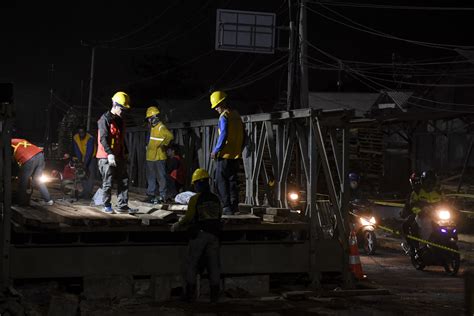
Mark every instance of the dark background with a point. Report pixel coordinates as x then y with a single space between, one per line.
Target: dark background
36 36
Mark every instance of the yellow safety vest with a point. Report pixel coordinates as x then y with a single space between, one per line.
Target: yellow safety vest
160 137
235 135
428 197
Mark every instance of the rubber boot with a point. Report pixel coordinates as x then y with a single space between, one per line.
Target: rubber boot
214 295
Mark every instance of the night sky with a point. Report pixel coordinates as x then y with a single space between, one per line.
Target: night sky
34 37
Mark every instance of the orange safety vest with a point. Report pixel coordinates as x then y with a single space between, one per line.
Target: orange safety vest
115 140
23 150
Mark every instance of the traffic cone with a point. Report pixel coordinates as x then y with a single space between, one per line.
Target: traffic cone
354 260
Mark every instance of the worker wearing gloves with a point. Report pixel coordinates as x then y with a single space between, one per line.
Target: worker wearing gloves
203 220
156 156
111 154
227 152
85 149
30 159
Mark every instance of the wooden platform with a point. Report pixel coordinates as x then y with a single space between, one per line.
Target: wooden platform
67 215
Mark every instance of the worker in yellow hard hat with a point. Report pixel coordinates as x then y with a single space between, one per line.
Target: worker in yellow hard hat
159 138
111 153
228 151
203 220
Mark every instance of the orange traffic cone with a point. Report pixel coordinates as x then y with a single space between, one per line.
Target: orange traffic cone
354 260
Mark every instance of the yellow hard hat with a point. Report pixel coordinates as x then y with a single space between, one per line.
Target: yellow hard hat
199 174
122 99
152 110
217 97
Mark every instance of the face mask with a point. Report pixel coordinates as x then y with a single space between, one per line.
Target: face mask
354 185
201 186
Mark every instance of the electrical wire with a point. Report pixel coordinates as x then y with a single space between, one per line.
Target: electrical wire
227 69
372 31
144 26
391 7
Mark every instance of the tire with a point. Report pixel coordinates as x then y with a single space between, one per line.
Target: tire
417 263
452 266
370 242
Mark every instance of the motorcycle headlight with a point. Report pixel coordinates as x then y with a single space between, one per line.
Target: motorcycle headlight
444 214
293 196
372 220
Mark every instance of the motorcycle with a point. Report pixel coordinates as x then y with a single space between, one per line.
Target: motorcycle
364 223
436 223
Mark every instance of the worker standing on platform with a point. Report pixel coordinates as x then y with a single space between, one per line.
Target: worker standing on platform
111 153
159 139
85 149
227 152
30 159
203 219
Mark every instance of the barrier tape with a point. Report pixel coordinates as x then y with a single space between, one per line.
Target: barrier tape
396 232
393 204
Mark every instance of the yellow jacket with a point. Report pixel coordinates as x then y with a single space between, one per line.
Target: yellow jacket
231 135
424 196
160 137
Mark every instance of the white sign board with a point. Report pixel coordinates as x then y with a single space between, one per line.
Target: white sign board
245 31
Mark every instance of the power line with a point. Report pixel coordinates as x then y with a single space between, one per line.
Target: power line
391 7
372 31
144 26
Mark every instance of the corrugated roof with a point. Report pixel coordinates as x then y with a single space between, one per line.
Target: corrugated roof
400 97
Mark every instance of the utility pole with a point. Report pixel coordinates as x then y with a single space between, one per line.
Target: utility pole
49 111
302 30
291 59
91 86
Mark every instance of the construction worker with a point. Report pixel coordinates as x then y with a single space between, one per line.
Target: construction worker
203 220
354 185
30 160
111 153
176 168
227 152
85 149
159 139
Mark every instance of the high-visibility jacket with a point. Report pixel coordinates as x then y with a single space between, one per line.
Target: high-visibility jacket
84 149
231 135
423 197
204 213
110 136
160 137
23 150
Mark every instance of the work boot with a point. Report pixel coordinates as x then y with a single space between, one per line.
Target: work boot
126 210
149 199
214 295
405 247
227 211
108 210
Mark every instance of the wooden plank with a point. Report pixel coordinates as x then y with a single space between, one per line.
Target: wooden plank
245 208
282 212
150 220
241 219
167 216
274 218
59 215
28 216
258 210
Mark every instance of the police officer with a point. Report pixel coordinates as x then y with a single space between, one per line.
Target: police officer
203 220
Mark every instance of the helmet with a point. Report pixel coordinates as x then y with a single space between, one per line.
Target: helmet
151 111
121 99
428 179
217 97
199 174
354 177
415 180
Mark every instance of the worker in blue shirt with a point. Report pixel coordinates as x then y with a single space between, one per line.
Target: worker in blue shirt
85 149
227 152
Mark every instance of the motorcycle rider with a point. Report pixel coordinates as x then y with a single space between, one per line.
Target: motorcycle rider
354 180
424 192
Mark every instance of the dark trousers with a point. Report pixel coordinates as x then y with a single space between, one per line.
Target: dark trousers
410 225
32 168
203 252
88 182
228 184
156 173
110 175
